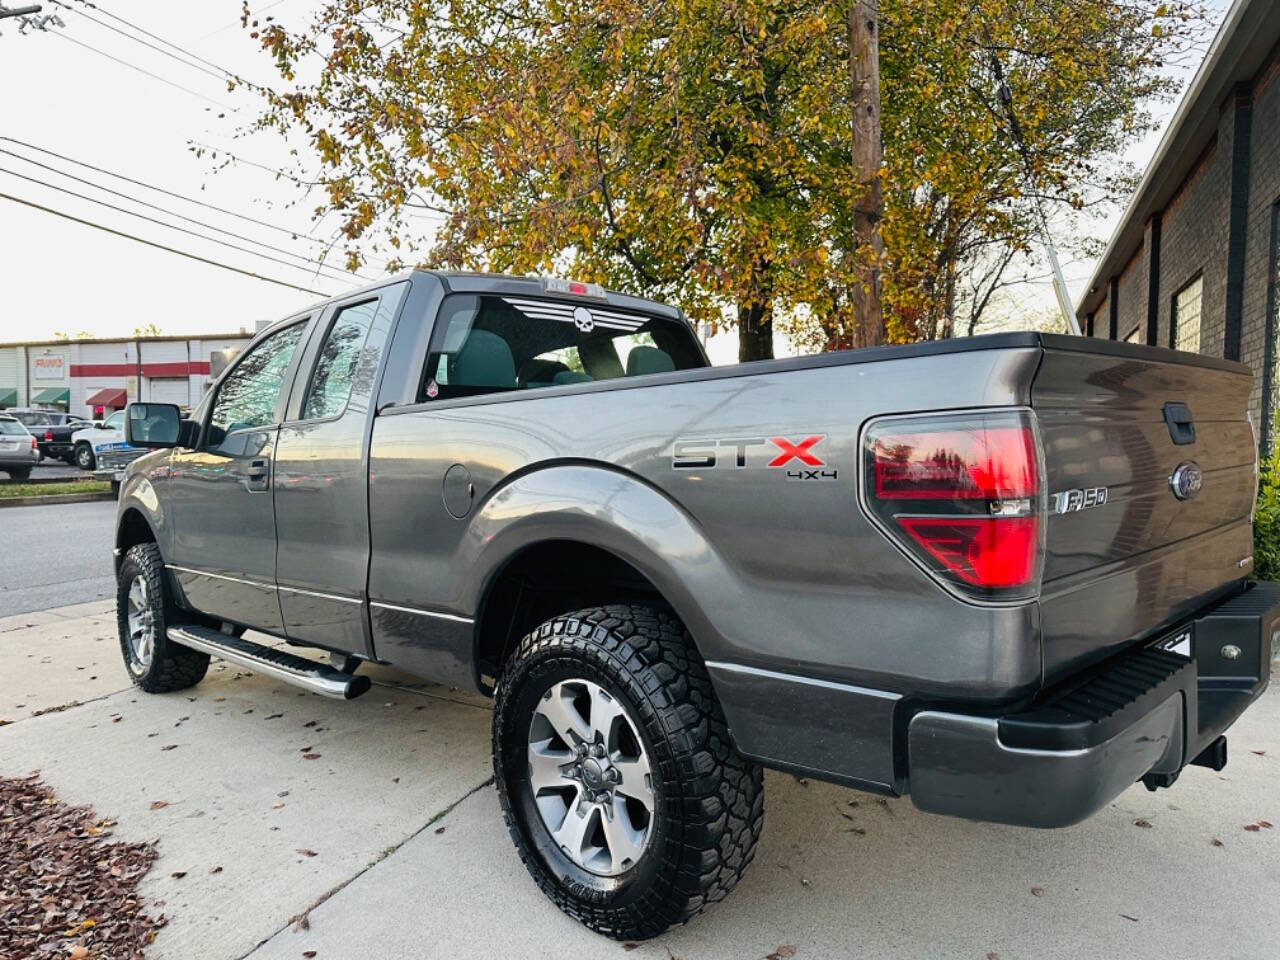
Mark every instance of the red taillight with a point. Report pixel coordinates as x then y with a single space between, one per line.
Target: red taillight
48 435
994 463
962 495
33 443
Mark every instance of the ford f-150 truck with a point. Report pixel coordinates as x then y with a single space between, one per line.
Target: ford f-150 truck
1007 576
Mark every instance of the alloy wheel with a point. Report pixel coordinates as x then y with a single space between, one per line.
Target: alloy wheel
590 777
142 625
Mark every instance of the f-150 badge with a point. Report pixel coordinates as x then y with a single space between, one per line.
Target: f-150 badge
798 458
1070 501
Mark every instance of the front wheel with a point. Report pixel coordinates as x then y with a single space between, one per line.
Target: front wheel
85 459
144 611
625 797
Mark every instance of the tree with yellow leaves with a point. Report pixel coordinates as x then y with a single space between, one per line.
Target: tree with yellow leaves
700 151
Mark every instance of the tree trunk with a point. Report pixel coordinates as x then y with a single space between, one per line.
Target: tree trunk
755 330
864 59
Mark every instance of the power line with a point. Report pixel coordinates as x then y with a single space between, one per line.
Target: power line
131 66
252 13
309 261
293 234
161 246
168 193
151 46
161 223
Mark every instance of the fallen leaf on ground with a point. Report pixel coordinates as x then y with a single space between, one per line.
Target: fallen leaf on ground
275 716
158 804
172 746
782 953
1037 891
439 830
178 874
1142 822
311 756
307 853
1127 917
215 869
308 954
1264 824
1252 827
1216 842
1261 753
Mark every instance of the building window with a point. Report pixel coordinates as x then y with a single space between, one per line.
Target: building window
1185 320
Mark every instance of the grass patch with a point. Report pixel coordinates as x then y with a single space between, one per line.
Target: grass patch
10 490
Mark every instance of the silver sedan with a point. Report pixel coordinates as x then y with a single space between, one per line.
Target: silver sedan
19 451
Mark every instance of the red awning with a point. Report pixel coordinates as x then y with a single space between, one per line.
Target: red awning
110 397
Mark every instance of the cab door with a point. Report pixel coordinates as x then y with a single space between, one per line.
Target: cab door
321 475
224 545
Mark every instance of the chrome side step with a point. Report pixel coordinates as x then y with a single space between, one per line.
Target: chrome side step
317 677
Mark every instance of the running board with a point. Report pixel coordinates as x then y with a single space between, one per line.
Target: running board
317 677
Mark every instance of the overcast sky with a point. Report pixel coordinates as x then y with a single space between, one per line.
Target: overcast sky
60 276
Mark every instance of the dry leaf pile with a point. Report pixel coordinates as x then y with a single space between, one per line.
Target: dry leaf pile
67 889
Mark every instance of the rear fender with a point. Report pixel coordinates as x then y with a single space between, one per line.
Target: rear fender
614 511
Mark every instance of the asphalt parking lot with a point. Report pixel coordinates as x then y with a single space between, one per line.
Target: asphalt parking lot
390 843
52 555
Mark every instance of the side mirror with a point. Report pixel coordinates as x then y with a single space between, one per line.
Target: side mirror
152 425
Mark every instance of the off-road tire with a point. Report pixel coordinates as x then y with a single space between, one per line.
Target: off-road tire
172 667
709 799
83 457
19 473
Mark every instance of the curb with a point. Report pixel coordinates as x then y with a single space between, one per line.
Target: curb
55 498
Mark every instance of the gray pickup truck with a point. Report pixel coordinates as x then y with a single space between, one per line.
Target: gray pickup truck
1007 576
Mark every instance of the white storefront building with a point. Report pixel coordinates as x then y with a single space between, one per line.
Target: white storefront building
94 377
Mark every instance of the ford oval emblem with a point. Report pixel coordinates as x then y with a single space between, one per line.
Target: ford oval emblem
1186 480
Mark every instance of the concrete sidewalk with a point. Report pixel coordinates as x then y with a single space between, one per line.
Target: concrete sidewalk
390 841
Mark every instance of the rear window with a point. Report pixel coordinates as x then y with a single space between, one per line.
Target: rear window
493 344
12 428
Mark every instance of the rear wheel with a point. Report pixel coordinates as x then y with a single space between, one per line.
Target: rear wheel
144 611
19 473
85 459
620 786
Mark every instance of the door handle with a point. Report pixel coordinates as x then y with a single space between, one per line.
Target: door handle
257 476
1182 426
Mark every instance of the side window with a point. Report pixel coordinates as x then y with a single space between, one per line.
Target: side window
496 343
339 362
248 395
115 421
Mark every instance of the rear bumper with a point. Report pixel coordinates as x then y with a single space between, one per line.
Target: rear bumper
1146 714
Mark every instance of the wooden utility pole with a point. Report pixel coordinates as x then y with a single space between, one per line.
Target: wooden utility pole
864 60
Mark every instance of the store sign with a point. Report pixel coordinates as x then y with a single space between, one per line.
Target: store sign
49 366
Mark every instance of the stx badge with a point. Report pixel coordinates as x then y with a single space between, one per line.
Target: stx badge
799 458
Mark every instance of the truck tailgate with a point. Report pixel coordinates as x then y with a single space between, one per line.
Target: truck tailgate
1126 557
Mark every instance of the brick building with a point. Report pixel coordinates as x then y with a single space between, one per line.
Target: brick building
95 377
1195 262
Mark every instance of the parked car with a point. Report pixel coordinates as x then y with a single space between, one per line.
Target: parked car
56 441
88 443
19 451
1007 576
